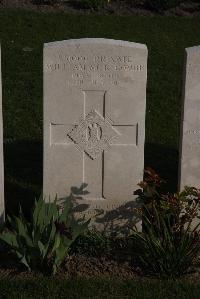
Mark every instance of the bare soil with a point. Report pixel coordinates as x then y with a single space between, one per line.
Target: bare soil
79 266
75 266
116 7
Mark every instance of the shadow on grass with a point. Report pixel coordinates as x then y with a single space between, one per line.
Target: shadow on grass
23 174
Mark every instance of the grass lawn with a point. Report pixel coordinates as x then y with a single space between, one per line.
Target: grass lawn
22 35
97 289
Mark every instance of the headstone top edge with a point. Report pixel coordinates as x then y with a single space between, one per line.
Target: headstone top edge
192 50
82 41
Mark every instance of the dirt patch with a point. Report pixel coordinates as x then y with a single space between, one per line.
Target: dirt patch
187 8
79 266
75 266
82 266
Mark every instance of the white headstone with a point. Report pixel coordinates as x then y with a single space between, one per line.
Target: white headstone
2 205
189 167
94 120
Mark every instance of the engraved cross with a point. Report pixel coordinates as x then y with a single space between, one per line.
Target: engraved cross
94 134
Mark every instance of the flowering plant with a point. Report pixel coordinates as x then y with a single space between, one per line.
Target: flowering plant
170 239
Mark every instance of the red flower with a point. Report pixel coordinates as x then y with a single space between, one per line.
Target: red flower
63 229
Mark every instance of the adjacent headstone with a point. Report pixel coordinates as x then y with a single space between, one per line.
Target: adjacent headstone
2 206
94 124
189 167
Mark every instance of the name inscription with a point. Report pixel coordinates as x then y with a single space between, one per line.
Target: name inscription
95 70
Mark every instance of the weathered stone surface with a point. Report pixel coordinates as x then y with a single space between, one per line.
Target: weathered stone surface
94 123
189 167
2 206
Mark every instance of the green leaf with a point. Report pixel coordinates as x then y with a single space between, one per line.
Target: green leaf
36 211
67 209
42 249
22 230
57 242
10 238
60 254
24 261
